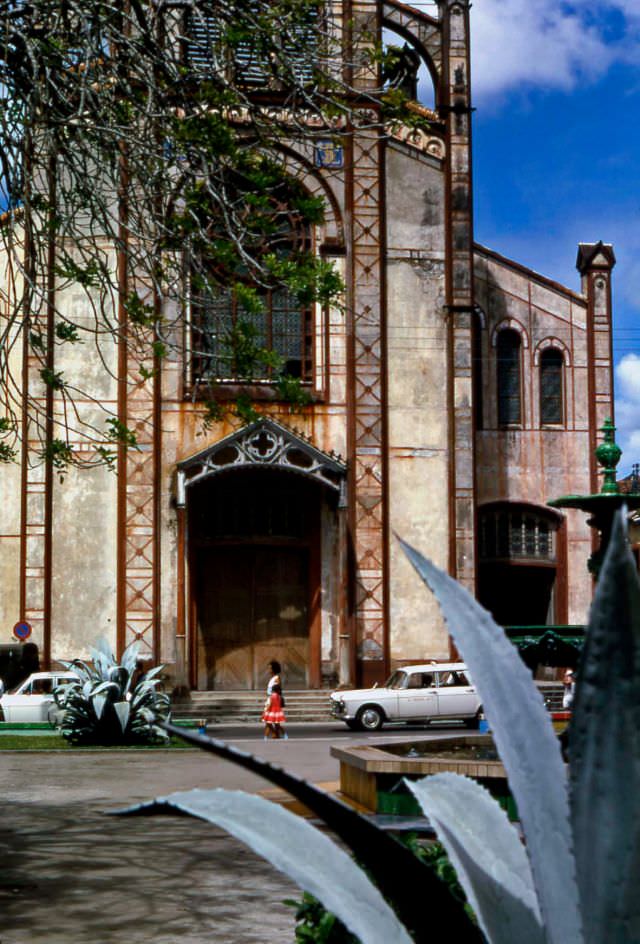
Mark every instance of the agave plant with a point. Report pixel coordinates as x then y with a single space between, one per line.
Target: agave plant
575 878
106 705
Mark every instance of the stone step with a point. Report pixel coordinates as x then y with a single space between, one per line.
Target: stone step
301 705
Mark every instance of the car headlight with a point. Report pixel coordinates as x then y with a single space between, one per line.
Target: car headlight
337 706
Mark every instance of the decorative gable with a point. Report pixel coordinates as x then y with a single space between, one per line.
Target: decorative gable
264 443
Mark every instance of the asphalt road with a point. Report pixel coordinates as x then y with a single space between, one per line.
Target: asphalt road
72 875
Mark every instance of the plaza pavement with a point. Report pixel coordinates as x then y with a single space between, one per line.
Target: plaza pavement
69 874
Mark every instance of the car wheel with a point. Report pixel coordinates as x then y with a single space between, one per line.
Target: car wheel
370 718
353 725
474 723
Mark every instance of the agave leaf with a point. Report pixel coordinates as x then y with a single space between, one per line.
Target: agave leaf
402 878
123 710
526 743
301 851
152 673
99 701
604 751
487 854
130 657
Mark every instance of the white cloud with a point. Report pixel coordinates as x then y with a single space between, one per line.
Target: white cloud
628 409
525 43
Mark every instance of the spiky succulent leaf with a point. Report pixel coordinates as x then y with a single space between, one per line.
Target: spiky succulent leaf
604 752
487 854
122 710
301 851
403 878
526 743
130 657
99 701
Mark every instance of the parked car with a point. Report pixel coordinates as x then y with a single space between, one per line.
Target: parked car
429 692
32 700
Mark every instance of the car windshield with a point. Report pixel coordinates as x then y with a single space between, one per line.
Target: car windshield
397 680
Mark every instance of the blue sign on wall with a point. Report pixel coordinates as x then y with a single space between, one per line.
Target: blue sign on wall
22 630
329 154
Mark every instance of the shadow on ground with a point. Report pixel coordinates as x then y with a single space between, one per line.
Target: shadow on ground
71 874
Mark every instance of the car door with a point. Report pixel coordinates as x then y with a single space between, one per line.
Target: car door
30 704
456 697
419 699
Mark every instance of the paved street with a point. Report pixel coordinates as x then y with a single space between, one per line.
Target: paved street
71 875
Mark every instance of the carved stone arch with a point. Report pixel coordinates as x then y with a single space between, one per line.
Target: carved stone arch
510 324
552 342
421 31
316 183
267 444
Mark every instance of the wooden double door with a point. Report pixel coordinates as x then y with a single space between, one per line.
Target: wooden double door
252 606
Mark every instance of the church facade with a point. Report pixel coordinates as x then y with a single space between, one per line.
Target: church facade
453 392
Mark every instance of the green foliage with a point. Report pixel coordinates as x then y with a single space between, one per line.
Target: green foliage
291 390
316 925
109 703
52 378
309 278
159 152
88 275
250 358
59 453
138 312
37 341
244 409
7 452
119 432
67 332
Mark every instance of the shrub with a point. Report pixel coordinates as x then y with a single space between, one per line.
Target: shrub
107 704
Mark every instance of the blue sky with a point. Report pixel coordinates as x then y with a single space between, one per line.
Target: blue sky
557 153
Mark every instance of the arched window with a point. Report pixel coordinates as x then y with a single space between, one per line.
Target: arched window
232 339
551 406
509 392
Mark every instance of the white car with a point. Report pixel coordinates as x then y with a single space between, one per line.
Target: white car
427 692
32 700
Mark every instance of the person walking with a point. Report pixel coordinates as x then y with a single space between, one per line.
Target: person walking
276 678
273 715
569 683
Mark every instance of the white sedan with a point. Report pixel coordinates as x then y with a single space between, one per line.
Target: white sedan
32 700
427 692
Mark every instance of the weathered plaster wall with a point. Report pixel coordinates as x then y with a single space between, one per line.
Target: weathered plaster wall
85 501
10 481
417 396
183 435
534 463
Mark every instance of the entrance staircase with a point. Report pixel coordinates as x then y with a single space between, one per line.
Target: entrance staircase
245 706
302 705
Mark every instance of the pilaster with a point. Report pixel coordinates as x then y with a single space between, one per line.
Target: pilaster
455 108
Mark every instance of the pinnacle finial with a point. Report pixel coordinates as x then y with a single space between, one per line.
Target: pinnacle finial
608 455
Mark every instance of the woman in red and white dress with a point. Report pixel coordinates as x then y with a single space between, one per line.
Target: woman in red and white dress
273 715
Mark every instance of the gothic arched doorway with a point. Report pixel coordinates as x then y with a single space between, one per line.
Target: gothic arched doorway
255 578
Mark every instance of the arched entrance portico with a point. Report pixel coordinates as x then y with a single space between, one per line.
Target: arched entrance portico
252 513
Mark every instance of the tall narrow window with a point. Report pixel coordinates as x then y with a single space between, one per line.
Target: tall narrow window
551 407
509 393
